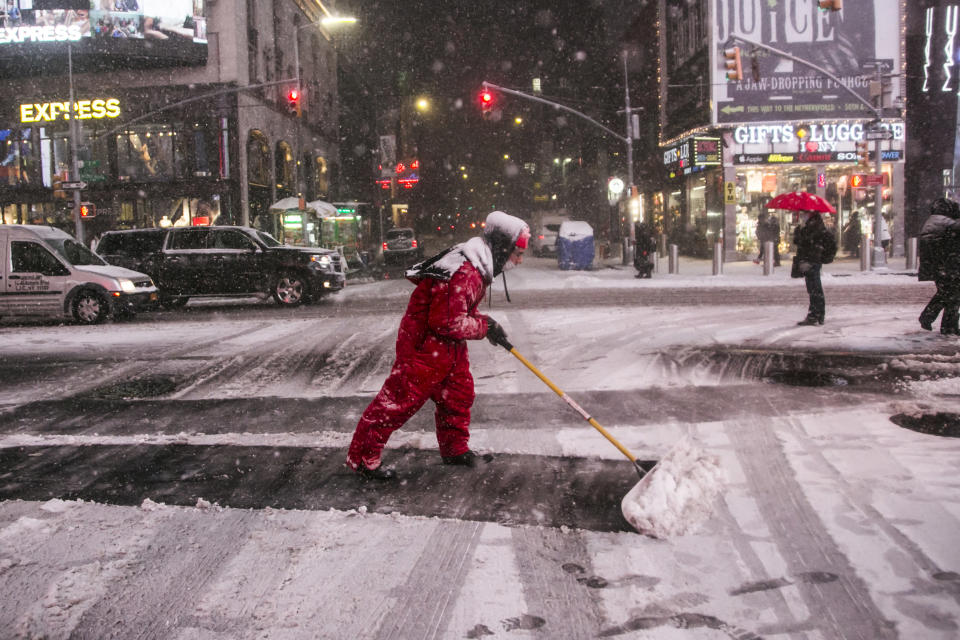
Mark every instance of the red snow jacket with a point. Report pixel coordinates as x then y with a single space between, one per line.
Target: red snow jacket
442 314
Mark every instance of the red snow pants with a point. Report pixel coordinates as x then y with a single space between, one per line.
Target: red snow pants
440 371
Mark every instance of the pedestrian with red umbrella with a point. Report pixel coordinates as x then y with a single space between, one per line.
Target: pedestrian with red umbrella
432 361
815 244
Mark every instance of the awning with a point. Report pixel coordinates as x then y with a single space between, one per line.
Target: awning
287 204
322 207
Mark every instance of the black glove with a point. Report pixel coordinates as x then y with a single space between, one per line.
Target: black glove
496 335
804 267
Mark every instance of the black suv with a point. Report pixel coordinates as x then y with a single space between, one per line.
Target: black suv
224 261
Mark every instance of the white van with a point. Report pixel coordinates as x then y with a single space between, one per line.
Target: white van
47 272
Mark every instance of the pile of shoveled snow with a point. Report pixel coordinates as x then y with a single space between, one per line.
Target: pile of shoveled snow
677 494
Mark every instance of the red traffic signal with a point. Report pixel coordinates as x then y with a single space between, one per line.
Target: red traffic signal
486 103
88 210
293 101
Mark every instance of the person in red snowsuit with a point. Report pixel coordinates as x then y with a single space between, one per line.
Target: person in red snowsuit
432 360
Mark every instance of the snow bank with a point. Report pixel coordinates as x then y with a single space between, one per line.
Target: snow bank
677 494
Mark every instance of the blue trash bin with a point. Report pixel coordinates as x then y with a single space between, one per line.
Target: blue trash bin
575 245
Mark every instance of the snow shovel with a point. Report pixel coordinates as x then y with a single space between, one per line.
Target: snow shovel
675 495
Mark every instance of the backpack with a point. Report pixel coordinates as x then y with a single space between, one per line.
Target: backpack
829 251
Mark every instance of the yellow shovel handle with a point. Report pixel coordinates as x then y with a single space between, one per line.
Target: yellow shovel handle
576 407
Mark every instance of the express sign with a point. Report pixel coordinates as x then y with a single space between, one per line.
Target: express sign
85 109
47 33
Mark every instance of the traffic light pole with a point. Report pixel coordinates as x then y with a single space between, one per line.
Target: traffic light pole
879 255
626 139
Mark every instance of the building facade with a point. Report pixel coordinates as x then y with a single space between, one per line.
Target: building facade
182 111
813 86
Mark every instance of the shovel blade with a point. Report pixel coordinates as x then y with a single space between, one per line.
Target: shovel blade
677 494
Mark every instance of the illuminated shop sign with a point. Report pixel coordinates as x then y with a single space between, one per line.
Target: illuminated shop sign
822 133
695 152
888 155
47 33
97 108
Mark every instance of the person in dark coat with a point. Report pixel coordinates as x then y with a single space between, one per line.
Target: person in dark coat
815 246
643 250
851 235
763 235
940 262
432 361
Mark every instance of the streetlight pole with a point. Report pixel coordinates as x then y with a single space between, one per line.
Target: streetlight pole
74 153
631 187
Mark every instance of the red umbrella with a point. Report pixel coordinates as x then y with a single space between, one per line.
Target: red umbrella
800 201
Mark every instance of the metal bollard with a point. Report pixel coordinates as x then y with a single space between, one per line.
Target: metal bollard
912 261
674 258
656 262
768 258
717 258
662 245
626 251
866 247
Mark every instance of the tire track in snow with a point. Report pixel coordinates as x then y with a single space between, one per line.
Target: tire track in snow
836 608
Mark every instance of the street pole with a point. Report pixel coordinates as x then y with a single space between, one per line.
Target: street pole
879 253
301 201
74 160
629 138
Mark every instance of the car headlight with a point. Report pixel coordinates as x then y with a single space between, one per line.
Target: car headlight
127 286
323 261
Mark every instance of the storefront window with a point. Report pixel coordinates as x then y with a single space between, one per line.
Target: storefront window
148 153
20 164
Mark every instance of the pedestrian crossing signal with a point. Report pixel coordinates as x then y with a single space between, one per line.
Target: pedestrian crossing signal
88 210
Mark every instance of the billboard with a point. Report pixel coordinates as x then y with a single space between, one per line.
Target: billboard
850 44
102 34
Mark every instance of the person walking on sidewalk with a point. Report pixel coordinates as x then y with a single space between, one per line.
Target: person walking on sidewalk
815 247
431 361
773 235
940 262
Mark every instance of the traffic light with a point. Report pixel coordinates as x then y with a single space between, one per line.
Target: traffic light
858 180
486 104
830 5
863 154
733 65
88 210
293 101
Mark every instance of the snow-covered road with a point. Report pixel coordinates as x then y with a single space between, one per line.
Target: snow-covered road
834 521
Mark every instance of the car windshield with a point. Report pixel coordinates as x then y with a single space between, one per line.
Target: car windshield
74 252
268 239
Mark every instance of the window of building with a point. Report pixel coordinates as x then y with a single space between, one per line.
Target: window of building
258 159
148 152
285 166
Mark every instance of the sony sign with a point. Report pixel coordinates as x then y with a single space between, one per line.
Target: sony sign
826 135
47 33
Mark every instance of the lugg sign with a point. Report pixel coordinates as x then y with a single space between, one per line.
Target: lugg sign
85 109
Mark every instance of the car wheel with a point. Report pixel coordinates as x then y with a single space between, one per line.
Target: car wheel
289 290
174 303
89 307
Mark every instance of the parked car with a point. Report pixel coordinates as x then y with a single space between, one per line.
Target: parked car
545 230
224 261
48 272
400 246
